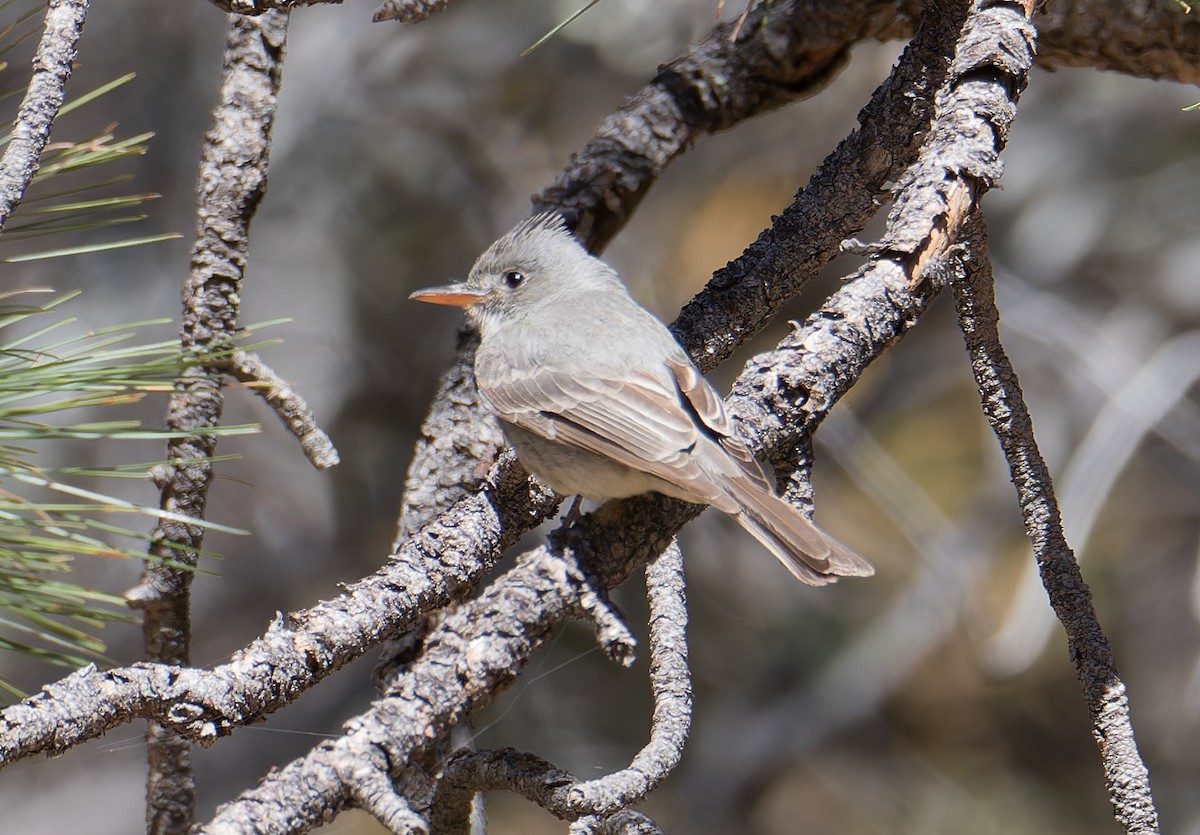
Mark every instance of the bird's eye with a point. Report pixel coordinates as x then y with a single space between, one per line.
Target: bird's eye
513 279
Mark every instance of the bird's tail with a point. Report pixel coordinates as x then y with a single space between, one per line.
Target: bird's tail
812 555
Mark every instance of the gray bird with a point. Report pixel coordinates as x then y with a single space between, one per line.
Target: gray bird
600 401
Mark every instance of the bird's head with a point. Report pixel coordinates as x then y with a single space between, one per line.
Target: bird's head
539 262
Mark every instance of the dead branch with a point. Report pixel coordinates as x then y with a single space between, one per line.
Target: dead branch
52 64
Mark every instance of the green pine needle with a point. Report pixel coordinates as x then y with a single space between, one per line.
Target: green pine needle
87 248
57 384
558 28
48 373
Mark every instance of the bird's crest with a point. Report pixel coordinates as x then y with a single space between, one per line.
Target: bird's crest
551 221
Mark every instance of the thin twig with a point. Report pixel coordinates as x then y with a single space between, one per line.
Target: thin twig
1125 774
671 682
233 174
612 633
558 791
374 793
290 406
52 65
468 772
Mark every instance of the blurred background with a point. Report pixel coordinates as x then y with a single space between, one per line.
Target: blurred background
936 697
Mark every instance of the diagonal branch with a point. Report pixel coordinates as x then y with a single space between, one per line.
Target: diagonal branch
785 50
439 565
1125 774
52 64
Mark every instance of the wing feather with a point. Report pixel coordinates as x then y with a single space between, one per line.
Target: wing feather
709 409
640 422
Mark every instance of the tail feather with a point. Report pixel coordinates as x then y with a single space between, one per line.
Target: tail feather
812 555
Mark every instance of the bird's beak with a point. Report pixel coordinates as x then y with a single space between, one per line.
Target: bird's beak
458 295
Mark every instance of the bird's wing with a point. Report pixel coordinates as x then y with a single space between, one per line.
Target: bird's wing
641 420
808 552
709 411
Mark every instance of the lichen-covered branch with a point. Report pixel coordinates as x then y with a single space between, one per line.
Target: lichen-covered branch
1125 774
52 65
233 179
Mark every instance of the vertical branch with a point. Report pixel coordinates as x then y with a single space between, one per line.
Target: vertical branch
1125 774
52 65
233 179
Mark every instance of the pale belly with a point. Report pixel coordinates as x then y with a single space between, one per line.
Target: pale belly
573 471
